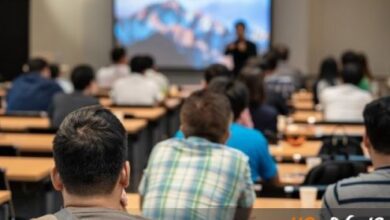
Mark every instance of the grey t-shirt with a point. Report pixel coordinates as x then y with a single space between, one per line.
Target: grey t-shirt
72 213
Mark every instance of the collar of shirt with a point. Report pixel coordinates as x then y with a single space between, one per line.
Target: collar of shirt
201 143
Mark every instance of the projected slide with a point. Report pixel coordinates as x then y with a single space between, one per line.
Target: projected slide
189 33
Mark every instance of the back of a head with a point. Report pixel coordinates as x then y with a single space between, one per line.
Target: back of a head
352 74
216 70
377 123
349 57
149 61
54 71
236 92
283 52
82 76
118 54
253 78
139 64
269 61
329 69
90 149
206 114
37 65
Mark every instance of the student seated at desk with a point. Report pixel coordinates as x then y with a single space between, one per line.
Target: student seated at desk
32 91
368 190
83 79
107 76
137 89
247 140
346 102
91 169
160 79
198 177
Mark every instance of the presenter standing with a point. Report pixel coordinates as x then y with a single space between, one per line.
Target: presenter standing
241 49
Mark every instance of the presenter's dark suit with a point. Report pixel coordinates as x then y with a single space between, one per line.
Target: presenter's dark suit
241 57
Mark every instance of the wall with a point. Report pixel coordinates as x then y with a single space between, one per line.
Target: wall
80 31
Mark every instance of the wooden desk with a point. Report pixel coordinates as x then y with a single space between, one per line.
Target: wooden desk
302 105
302 96
105 101
133 126
320 130
26 169
292 174
172 103
23 123
303 116
285 150
149 113
260 203
5 196
42 143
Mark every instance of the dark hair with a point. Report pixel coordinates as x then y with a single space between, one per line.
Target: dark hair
240 24
207 115
54 71
216 70
37 64
352 73
377 123
117 54
236 92
363 60
82 76
90 149
149 61
254 81
283 52
269 61
329 70
349 57
139 64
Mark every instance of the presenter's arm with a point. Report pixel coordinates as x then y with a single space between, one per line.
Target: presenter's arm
252 50
230 49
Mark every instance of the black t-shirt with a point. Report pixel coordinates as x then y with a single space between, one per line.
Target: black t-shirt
241 57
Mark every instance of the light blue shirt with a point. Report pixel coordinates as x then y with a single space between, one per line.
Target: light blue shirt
253 144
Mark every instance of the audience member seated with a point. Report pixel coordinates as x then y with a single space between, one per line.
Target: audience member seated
276 96
368 190
136 89
214 71
91 170
367 81
284 68
56 74
83 79
248 141
345 102
198 177
32 91
107 76
329 76
160 79
264 116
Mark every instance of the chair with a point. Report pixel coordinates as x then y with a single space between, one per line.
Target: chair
331 172
9 150
346 146
4 185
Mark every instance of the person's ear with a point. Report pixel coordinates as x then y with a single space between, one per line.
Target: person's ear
226 137
367 143
125 175
56 179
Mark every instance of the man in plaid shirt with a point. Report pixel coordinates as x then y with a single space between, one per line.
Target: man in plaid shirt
198 177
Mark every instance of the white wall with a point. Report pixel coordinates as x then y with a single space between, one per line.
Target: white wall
79 31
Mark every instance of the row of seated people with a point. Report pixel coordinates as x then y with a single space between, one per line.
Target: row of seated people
196 176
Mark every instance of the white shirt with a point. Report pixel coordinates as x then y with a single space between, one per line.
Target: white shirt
107 76
160 79
66 85
135 89
344 103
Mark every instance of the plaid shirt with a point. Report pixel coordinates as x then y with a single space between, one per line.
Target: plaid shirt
195 179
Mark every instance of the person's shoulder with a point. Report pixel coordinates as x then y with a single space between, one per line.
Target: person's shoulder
46 217
249 135
234 154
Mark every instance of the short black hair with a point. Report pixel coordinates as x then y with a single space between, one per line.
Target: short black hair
207 115
269 61
283 52
54 71
216 70
352 73
350 57
253 78
139 64
240 24
117 54
37 64
90 149
82 76
149 61
236 92
377 123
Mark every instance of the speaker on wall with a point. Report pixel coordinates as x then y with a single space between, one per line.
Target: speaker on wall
14 37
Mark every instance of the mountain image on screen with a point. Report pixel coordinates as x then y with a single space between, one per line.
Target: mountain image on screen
179 36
